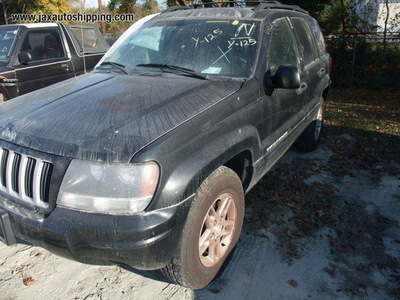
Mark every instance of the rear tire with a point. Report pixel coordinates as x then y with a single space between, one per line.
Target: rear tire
310 137
211 231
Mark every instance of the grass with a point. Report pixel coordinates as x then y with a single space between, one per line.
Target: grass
372 117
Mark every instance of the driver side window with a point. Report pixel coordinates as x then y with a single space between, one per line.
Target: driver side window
42 44
282 47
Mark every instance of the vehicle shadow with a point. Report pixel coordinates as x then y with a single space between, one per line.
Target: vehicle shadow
154 275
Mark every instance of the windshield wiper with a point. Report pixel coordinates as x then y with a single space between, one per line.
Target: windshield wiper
120 67
175 68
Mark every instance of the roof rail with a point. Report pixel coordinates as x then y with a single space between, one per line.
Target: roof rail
275 4
175 8
246 3
243 3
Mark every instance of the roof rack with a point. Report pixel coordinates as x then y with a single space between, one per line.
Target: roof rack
275 4
257 5
175 8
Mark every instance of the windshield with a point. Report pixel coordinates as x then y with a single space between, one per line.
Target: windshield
7 38
222 47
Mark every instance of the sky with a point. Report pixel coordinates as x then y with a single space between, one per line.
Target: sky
93 3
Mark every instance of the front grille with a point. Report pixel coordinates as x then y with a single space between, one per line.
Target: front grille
25 177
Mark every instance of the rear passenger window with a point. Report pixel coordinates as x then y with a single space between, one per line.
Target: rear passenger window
89 40
307 48
316 32
282 48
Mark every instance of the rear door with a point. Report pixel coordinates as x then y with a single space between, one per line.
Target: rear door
49 59
311 67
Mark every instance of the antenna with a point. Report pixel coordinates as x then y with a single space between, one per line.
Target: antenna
83 45
83 49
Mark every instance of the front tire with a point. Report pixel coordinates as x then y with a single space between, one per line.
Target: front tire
211 231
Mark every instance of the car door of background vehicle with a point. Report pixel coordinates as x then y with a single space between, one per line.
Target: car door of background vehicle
49 64
283 105
311 64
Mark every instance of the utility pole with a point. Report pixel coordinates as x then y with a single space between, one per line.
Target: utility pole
101 11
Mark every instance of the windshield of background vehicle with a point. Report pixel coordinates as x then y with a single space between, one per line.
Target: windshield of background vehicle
224 47
7 38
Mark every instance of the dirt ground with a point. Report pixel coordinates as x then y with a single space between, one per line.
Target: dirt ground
322 225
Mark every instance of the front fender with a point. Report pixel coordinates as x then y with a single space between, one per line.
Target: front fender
183 178
192 151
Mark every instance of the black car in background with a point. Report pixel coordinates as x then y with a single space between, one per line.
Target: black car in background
36 55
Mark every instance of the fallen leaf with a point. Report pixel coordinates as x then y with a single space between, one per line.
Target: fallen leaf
29 281
293 283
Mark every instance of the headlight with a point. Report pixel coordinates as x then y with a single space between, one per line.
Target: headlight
108 188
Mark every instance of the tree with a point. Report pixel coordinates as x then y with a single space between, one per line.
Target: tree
51 7
151 6
36 7
315 8
122 6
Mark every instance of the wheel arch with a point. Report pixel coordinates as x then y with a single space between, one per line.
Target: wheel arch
242 165
238 158
325 92
184 170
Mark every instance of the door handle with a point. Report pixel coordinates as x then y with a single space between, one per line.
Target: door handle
65 66
321 72
302 88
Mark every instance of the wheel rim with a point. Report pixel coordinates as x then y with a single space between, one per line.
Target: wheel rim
319 121
217 230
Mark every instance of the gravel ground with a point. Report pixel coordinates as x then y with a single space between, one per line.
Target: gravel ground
318 226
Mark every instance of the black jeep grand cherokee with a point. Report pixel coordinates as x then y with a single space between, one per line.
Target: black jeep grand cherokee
145 161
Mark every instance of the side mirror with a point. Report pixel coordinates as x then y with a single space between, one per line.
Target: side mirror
24 57
286 77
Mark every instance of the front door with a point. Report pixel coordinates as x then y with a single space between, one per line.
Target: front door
283 105
48 62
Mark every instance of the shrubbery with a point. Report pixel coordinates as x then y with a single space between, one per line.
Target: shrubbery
363 62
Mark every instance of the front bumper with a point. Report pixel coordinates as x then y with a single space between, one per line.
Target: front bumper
144 241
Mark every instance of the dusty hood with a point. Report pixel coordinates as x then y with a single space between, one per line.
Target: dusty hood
106 117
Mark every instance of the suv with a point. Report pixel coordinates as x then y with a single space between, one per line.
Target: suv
145 161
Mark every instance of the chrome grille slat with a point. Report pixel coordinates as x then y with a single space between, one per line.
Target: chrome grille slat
36 182
22 174
25 177
9 166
